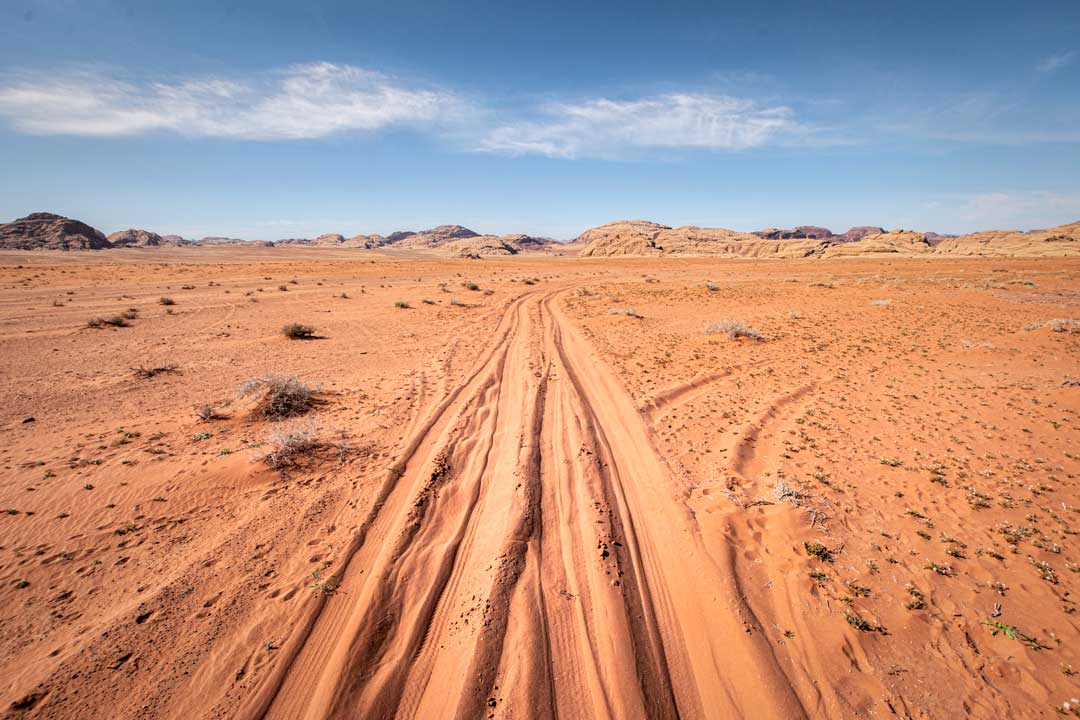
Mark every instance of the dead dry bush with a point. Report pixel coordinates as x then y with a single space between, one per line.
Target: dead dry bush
734 329
290 444
279 396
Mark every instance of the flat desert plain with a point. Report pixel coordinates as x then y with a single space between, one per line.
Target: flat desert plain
584 488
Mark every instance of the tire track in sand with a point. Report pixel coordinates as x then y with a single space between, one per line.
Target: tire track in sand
528 557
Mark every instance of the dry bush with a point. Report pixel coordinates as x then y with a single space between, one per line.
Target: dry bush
114 321
881 303
288 443
734 329
296 331
166 301
402 305
629 312
1057 325
280 396
207 413
149 372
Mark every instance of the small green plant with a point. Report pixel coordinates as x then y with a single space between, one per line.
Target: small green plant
940 569
862 624
200 436
916 600
819 551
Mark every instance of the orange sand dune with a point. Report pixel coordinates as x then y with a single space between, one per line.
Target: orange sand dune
552 495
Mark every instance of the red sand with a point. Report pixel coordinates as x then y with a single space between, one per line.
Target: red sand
527 506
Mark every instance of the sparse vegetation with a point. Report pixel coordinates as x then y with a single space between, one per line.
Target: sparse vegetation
288 443
296 331
819 551
1059 325
280 396
166 301
629 312
402 305
114 321
146 373
734 329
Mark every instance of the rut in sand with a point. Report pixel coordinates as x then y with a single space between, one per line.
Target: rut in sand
529 555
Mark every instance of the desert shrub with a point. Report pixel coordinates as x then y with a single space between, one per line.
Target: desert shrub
456 303
296 331
280 396
1057 325
402 305
629 312
287 443
734 329
283 288
881 303
166 301
149 372
470 286
428 301
114 321
819 551
206 413
130 314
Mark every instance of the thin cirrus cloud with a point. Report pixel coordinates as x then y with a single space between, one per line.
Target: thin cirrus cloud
1056 61
607 128
301 101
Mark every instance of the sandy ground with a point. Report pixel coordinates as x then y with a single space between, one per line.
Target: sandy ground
526 505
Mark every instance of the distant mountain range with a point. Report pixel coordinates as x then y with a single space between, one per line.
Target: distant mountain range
46 231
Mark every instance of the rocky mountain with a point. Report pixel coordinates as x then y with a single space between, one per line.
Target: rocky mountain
46 231
896 242
483 246
1063 240
856 234
802 232
145 238
430 238
640 237
213 240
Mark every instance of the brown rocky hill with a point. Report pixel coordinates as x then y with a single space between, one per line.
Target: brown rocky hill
896 242
430 238
857 233
639 237
483 246
46 231
145 238
802 232
1056 242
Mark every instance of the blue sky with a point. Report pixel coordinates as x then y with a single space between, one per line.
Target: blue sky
285 119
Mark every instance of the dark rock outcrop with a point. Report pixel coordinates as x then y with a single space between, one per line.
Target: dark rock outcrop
46 231
802 232
145 238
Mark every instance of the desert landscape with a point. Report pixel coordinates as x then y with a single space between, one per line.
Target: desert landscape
654 472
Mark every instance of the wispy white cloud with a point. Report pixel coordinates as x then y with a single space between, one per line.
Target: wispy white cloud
606 128
300 101
1056 61
1005 210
